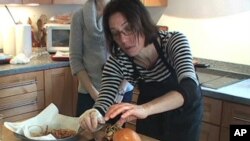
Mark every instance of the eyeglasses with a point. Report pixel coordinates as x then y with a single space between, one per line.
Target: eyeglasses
127 31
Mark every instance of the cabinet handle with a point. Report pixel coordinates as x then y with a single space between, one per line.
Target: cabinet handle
17 84
242 119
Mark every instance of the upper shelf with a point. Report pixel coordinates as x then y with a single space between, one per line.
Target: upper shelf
10 1
148 3
154 3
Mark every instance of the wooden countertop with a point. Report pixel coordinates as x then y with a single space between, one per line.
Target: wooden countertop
9 136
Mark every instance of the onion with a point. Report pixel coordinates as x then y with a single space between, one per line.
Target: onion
126 134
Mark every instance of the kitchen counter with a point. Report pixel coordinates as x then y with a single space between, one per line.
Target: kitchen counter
238 92
9 136
42 62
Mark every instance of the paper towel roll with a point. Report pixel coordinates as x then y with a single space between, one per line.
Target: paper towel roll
8 38
23 40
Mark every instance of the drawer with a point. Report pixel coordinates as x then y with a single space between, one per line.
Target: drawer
20 104
212 110
21 83
235 114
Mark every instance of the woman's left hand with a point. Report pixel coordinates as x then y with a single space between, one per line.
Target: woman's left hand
129 112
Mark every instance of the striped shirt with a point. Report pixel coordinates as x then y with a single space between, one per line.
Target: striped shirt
176 50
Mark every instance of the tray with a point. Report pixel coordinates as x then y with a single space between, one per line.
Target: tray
59 58
5 61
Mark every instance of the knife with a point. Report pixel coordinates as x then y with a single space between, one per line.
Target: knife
201 65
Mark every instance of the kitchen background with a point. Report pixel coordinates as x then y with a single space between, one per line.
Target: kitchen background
216 29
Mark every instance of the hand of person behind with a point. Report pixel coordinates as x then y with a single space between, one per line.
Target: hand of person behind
128 112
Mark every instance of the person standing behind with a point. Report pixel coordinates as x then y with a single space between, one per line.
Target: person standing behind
88 53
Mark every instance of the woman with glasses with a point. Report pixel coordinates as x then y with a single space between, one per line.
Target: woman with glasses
169 106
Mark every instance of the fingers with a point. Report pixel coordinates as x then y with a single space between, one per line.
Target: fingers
89 120
117 109
94 122
121 121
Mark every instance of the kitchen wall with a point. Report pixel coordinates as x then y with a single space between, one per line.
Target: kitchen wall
216 29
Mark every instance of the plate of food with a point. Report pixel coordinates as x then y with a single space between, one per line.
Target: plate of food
47 125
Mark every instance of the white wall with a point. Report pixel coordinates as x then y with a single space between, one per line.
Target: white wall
216 29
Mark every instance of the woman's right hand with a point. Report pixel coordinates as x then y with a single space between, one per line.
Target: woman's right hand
90 120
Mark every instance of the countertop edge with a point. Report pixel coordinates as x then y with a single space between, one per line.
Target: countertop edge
226 97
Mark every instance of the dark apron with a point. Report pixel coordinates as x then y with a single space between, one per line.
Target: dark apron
182 124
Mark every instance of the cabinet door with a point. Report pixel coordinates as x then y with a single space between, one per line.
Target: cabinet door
154 2
59 89
209 132
224 134
69 1
212 110
37 1
10 1
235 114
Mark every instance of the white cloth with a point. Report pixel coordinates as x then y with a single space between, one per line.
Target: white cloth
48 117
20 59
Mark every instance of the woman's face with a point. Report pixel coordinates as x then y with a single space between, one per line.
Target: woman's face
124 36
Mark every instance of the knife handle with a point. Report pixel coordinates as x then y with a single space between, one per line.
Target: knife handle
201 65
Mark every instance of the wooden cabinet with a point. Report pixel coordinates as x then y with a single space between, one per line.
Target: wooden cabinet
10 1
212 110
148 3
69 1
26 1
154 3
25 95
60 90
145 2
211 120
21 95
218 115
37 1
233 114
209 132
224 134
